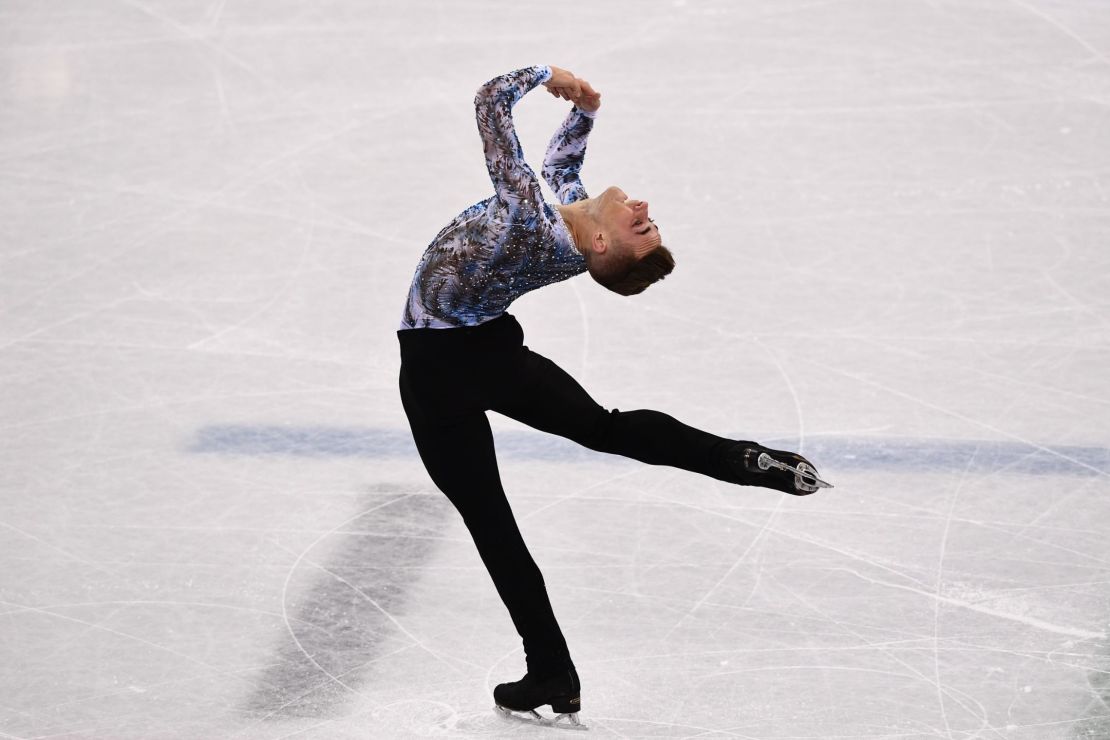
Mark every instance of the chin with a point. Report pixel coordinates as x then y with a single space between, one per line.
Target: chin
612 193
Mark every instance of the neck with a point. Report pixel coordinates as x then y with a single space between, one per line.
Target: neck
579 222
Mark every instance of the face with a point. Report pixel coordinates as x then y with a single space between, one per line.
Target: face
628 223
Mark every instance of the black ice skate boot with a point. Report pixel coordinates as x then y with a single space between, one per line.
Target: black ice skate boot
561 691
756 465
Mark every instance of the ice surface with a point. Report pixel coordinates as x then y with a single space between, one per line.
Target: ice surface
892 221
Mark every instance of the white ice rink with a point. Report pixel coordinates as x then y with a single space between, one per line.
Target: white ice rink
892 226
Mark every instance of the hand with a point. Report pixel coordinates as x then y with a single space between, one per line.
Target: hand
565 85
589 100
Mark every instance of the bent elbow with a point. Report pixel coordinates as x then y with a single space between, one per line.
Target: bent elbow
487 92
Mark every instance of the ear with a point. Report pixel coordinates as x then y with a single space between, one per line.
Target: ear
599 243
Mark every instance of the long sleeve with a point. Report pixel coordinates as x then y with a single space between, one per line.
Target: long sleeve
513 180
564 156
499 248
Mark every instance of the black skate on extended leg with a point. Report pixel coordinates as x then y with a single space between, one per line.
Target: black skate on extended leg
756 465
518 700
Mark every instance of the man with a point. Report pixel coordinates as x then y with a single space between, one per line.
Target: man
462 355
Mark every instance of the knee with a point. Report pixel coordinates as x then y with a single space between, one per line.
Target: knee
600 436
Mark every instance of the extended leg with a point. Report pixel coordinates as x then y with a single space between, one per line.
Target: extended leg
545 397
539 393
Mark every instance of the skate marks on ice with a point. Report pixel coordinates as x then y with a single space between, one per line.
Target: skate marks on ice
341 602
1095 722
842 453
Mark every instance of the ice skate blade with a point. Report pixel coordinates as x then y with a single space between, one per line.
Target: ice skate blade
567 721
805 477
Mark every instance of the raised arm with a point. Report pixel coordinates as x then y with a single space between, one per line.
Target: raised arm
565 153
513 180
567 149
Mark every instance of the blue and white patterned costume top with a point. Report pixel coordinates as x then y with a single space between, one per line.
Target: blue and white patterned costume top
507 245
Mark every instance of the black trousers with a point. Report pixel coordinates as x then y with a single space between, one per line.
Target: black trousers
450 378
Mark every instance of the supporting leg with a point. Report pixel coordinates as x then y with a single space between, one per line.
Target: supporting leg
459 456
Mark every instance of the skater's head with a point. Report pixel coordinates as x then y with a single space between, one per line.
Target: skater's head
625 252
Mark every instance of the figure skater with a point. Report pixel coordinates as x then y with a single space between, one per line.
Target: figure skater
462 355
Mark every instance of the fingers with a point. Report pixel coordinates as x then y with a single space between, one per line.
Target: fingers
574 89
589 99
566 93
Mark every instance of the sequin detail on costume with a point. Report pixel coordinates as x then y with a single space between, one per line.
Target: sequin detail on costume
513 242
